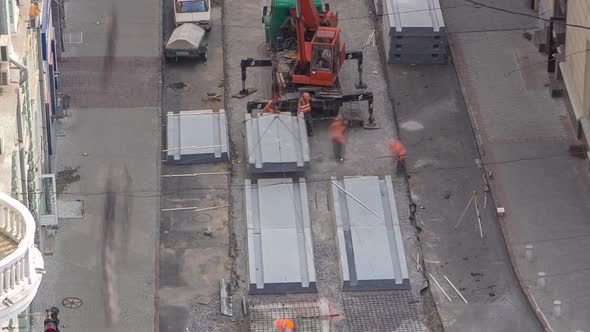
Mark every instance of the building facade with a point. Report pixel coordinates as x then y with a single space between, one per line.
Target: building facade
29 107
566 31
575 66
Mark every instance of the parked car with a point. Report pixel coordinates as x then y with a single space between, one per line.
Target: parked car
193 11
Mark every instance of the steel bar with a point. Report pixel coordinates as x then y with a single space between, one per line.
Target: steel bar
456 290
439 287
464 211
192 174
196 209
356 199
478 216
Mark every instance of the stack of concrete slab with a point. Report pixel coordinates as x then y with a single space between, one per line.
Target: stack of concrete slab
414 32
196 137
277 143
280 251
368 234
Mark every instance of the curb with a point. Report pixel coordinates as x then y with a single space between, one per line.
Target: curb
505 235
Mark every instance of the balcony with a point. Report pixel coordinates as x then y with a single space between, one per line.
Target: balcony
21 263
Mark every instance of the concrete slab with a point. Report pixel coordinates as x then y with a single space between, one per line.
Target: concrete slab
276 143
414 32
414 17
372 255
417 59
196 137
280 252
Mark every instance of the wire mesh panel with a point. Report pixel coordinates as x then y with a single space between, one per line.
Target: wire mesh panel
306 316
399 312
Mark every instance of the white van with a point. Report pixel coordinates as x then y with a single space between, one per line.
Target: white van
193 11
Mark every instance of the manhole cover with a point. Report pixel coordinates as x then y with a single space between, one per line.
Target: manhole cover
71 302
203 218
179 87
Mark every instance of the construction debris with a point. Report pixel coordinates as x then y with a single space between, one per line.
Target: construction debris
215 97
226 298
244 93
370 40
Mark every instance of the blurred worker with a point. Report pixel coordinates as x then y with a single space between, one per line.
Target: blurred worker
304 107
399 155
284 325
271 107
337 129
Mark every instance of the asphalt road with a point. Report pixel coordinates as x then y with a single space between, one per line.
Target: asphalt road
443 161
107 258
191 262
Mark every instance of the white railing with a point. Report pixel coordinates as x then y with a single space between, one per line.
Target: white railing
21 271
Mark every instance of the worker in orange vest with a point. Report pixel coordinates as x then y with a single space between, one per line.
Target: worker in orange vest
304 107
337 129
399 156
271 107
284 325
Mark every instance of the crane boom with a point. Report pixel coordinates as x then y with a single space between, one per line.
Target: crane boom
308 13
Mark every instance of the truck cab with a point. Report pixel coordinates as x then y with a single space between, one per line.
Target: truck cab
193 11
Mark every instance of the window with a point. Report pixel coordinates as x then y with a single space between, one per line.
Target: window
195 6
321 57
47 200
337 55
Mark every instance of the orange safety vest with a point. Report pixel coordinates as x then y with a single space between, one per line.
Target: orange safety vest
397 148
34 10
284 325
303 106
337 130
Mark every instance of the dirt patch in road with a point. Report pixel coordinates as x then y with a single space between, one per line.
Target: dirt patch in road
65 177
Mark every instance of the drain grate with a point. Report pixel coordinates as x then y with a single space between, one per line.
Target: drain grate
399 311
71 302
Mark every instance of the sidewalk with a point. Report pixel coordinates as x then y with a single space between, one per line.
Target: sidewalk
101 270
524 137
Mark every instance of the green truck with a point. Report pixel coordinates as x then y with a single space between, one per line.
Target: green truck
276 16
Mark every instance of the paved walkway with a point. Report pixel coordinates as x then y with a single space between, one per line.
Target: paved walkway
102 271
524 137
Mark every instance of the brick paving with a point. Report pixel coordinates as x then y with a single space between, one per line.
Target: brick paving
498 90
131 84
524 136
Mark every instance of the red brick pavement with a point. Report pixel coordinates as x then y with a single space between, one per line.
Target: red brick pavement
133 82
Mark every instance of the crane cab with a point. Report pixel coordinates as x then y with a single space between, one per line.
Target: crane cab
326 54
